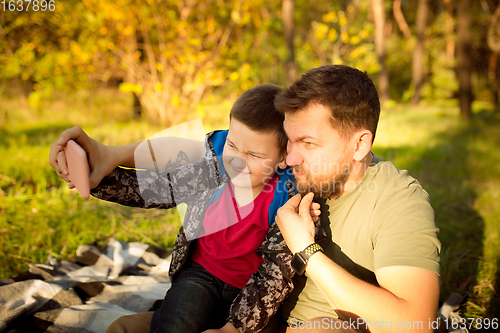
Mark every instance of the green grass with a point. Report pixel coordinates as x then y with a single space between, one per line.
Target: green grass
457 163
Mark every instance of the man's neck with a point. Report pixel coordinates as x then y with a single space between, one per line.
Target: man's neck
358 171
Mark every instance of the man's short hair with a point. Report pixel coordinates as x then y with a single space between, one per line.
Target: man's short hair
348 93
255 109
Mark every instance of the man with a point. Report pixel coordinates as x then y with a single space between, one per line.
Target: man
379 267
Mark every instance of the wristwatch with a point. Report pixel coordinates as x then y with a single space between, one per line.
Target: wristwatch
300 259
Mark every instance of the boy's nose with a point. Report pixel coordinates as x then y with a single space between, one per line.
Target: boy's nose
238 163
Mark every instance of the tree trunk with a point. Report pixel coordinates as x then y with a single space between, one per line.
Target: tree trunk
288 24
131 75
418 53
137 107
449 30
493 39
464 60
496 83
383 75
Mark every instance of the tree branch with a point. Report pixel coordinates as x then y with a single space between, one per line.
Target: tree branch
400 19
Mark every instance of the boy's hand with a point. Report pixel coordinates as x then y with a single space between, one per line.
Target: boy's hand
102 159
228 328
295 222
315 211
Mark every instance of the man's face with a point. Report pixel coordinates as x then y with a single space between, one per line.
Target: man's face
320 157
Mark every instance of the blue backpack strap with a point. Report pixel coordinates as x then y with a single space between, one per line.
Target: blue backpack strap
280 193
218 139
216 195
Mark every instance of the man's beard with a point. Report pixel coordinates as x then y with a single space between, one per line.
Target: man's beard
323 186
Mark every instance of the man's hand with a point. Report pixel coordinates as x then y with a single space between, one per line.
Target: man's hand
296 223
102 159
228 328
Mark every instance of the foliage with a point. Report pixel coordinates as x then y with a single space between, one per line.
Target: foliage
175 54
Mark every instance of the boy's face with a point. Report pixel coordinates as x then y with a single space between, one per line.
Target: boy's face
250 158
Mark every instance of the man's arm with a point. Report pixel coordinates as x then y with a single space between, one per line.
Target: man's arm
407 295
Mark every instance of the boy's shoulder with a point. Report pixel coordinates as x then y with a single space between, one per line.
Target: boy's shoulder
216 141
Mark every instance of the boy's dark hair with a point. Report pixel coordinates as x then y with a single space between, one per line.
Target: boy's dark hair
348 93
255 108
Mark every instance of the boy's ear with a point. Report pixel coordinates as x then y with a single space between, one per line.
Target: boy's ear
282 163
363 141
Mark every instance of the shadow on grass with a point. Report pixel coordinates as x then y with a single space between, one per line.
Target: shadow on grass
493 309
448 170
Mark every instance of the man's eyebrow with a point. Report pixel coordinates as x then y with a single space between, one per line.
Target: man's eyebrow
248 152
305 137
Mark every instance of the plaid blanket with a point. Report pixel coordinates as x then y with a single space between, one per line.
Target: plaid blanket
87 293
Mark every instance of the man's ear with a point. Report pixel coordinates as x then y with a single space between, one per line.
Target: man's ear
363 144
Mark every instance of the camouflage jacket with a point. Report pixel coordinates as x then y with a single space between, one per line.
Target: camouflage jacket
195 184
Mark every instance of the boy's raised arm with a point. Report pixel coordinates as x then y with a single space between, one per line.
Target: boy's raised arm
160 154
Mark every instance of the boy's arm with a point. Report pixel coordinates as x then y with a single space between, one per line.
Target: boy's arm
159 153
151 189
266 289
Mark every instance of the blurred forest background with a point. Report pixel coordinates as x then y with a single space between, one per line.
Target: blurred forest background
125 69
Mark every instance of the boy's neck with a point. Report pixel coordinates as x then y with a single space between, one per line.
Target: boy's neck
245 195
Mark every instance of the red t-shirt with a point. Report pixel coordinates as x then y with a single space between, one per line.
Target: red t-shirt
229 252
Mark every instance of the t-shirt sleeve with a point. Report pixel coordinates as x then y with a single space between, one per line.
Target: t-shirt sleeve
405 233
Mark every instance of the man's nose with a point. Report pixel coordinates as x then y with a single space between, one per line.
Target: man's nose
293 158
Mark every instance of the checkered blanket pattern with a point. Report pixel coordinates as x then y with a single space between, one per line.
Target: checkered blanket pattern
87 293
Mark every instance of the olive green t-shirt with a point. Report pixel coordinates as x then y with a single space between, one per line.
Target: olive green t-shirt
387 220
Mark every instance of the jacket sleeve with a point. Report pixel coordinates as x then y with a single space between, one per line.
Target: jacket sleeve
150 189
270 285
267 288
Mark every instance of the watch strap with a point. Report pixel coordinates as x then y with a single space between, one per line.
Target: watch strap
310 250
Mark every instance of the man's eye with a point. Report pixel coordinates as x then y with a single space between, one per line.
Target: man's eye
256 156
310 144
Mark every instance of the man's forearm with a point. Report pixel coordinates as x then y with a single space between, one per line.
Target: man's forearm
409 304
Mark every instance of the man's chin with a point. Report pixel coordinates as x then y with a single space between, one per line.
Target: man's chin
323 192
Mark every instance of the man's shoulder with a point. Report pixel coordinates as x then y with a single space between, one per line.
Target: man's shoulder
393 186
387 174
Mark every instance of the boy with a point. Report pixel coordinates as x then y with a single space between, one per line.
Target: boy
219 279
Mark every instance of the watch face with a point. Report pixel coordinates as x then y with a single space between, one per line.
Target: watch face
298 264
